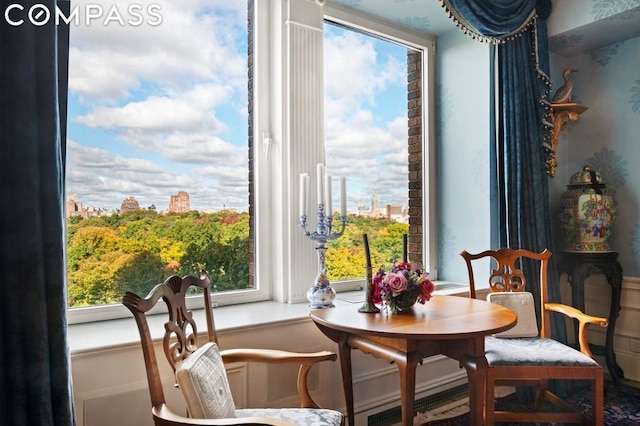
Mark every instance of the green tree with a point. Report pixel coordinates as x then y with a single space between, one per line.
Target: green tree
90 242
138 272
134 251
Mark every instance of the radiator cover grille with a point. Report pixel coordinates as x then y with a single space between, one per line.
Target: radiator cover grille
428 403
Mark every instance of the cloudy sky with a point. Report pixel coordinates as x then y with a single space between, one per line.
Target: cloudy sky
160 107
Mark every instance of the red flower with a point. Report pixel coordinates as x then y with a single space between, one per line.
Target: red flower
376 297
403 266
426 288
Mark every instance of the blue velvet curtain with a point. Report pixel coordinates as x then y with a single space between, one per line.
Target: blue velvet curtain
35 378
522 216
518 30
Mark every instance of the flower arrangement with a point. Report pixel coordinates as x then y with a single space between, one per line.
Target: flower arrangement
401 287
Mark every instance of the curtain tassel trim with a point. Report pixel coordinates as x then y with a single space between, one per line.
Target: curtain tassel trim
472 33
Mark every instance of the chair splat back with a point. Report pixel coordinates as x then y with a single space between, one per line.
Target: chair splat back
180 337
507 275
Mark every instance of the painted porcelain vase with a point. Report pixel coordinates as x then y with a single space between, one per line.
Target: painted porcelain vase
587 213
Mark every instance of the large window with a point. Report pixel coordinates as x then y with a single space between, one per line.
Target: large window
157 148
167 170
366 137
378 129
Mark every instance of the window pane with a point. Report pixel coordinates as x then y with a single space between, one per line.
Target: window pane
366 135
157 167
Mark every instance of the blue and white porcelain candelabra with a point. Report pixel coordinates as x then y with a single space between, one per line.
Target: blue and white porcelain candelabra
321 295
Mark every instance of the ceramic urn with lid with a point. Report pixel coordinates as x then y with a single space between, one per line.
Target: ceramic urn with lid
587 213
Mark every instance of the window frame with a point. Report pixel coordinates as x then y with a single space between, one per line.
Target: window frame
425 45
262 291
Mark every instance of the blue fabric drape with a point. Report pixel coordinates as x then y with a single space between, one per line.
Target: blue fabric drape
518 29
519 179
35 378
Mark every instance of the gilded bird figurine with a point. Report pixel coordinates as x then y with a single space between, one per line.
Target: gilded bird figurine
563 94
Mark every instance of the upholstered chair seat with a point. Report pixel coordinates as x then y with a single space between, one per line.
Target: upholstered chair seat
532 351
297 416
521 345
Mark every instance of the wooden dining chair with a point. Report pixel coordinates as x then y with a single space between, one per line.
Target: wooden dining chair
200 372
527 355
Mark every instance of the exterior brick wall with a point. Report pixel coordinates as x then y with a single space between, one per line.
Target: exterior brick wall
252 239
414 106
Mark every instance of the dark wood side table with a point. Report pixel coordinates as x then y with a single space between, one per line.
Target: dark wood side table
578 267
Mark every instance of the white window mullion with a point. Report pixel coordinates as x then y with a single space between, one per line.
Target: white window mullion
297 126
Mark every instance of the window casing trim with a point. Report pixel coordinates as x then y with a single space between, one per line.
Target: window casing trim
425 44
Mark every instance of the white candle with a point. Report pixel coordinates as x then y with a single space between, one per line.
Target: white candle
304 193
328 196
320 183
343 196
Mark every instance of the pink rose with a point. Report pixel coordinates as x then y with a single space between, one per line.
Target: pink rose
395 282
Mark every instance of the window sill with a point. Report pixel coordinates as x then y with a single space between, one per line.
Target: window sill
101 335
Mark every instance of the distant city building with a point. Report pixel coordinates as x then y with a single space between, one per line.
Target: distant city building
129 204
375 203
396 213
179 203
393 212
75 208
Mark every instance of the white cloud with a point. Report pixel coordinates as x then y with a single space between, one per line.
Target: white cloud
373 157
354 70
190 111
364 141
202 148
154 96
191 44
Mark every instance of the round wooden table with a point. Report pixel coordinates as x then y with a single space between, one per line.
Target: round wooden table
449 325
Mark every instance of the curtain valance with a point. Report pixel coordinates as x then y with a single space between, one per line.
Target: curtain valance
499 21
491 20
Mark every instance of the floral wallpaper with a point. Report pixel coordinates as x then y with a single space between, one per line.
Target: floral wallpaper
578 26
423 15
606 136
463 133
602 9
